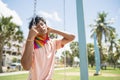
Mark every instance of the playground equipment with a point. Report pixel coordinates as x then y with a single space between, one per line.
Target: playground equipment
97 56
81 36
82 41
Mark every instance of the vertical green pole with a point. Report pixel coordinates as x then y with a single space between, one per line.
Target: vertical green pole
82 41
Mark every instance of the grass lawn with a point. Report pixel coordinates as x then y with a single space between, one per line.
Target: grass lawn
14 77
73 74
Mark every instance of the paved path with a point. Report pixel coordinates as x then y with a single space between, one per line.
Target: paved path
23 72
90 74
13 73
68 73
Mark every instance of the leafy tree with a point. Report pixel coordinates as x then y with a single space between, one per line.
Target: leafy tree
67 58
14 60
113 44
52 35
117 46
102 29
117 53
74 48
90 51
9 32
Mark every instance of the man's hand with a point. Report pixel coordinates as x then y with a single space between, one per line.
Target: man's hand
32 33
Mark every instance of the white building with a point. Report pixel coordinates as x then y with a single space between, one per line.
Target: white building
10 54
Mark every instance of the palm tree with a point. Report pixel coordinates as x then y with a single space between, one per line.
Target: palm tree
114 44
9 31
112 40
118 49
117 52
74 48
90 51
67 58
53 35
102 29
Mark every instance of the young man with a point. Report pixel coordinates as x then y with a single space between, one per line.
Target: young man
39 52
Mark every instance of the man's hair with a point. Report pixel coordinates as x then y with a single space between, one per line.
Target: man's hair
35 21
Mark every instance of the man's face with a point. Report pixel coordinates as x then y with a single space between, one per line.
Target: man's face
41 28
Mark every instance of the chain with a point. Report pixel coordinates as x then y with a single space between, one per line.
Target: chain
34 11
64 24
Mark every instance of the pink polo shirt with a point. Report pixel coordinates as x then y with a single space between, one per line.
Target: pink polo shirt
43 61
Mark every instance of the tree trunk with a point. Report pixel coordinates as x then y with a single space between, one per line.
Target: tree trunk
1 52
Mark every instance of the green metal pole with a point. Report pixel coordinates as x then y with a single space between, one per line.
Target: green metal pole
82 41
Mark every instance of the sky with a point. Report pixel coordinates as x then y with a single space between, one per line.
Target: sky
60 16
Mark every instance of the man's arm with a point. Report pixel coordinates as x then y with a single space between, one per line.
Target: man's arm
26 59
67 37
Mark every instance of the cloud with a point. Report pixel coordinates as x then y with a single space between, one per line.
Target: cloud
52 16
5 11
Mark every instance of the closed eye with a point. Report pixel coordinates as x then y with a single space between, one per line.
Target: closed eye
41 24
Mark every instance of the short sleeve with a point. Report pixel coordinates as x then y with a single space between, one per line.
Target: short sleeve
23 48
58 44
